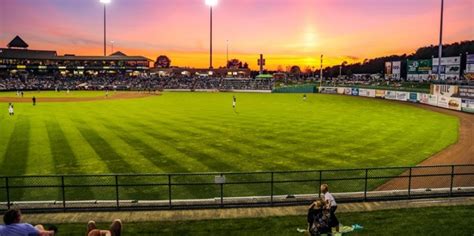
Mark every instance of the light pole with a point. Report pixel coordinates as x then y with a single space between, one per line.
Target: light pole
321 72
440 51
227 54
112 46
105 2
211 4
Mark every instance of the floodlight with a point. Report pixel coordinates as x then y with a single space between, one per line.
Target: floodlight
211 3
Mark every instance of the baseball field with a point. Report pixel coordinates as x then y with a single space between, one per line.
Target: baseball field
87 133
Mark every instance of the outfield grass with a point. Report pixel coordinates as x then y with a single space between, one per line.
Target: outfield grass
422 221
196 132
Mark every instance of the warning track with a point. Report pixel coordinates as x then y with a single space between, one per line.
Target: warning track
459 153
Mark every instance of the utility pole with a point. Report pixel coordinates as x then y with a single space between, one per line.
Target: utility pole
321 72
440 51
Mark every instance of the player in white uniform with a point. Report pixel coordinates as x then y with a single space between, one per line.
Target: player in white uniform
11 111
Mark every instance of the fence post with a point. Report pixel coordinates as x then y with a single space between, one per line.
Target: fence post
452 181
365 187
8 192
320 182
117 191
63 190
271 189
222 193
169 191
409 184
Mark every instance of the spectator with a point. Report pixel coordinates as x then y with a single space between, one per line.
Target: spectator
114 230
318 219
14 227
331 205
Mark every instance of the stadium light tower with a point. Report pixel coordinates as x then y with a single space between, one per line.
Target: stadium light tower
105 2
440 51
211 4
227 54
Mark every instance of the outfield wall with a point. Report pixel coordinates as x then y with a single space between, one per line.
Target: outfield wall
440 96
217 90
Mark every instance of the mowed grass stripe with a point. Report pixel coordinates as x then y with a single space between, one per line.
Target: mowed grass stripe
157 157
16 156
65 159
7 125
87 159
237 145
238 148
147 151
148 134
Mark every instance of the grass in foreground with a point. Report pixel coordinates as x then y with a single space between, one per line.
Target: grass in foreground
423 221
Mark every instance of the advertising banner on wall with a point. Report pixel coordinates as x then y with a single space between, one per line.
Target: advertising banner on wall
467 105
348 91
379 93
355 92
397 69
328 90
340 90
391 95
393 69
444 89
449 102
469 72
413 97
367 93
418 70
402 96
466 91
388 68
450 68
428 99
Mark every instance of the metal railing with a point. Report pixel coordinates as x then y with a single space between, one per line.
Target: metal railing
230 189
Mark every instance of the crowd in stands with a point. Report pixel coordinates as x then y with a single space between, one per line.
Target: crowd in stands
129 83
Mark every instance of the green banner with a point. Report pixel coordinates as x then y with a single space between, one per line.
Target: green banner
419 66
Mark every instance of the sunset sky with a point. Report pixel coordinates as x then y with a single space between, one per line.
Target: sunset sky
287 32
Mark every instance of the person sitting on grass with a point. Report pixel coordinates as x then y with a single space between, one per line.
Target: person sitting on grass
114 230
14 227
318 219
331 205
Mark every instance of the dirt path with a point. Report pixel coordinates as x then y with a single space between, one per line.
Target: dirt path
461 152
112 96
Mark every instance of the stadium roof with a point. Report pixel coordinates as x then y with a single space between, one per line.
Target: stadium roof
10 53
17 42
118 53
14 52
102 58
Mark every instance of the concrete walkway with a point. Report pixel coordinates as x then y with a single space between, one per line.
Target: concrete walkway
184 215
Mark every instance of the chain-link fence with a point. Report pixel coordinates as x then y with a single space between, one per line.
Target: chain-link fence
213 190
